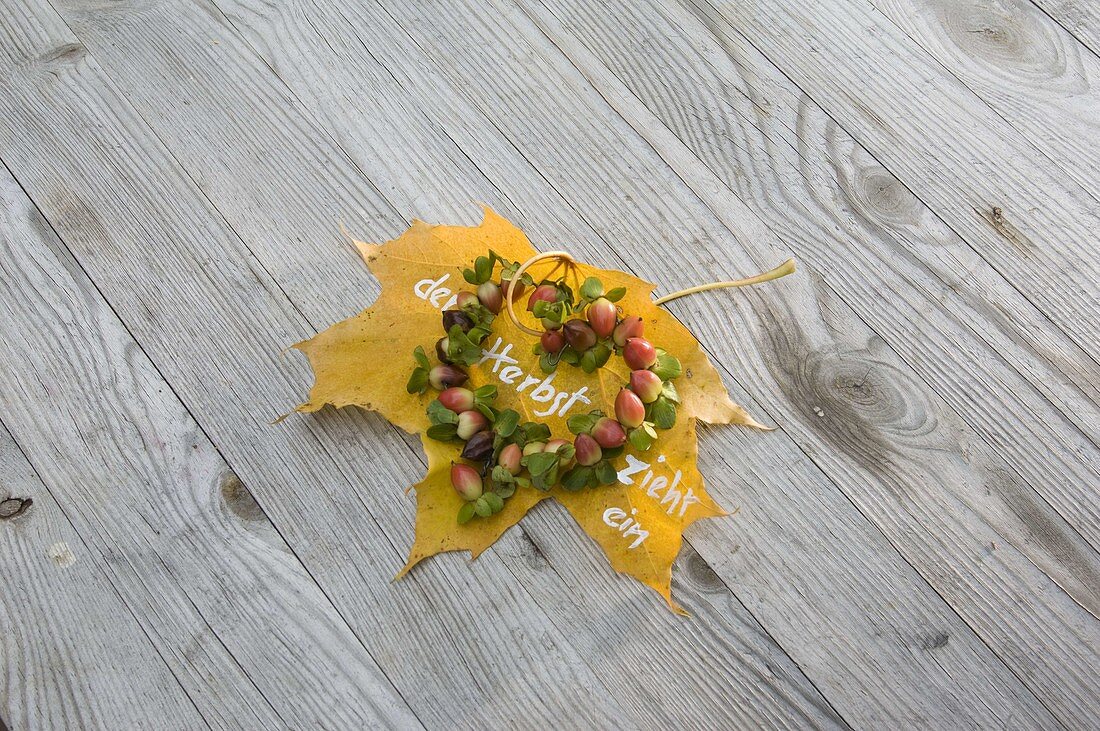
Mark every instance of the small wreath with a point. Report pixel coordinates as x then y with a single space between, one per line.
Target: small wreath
582 329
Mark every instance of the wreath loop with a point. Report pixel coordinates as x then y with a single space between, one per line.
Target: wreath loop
509 294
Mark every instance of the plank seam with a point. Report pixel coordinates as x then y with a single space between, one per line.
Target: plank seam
948 404
104 575
324 446
1088 47
172 388
701 13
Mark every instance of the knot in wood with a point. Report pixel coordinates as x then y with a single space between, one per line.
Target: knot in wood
13 507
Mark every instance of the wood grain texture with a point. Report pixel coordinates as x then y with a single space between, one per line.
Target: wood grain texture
979 306
637 44
897 559
219 594
1080 17
1029 70
60 668
539 667
345 553
982 177
527 114
336 36
640 634
824 195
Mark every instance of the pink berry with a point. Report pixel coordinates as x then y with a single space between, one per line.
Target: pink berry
554 445
470 423
629 409
609 433
631 327
489 294
588 450
646 384
466 481
509 459
601 316
542 293
457 399
533 448
639 353
465 299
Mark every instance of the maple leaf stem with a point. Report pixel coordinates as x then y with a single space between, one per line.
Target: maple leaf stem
782 270
560 257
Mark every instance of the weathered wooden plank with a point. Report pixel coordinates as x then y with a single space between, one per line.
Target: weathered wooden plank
983 178
678 657
1079 17
809 480
519 109
294 65
62 668
220 594
850 219
1026 67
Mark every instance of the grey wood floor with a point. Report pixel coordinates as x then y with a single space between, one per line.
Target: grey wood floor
917 543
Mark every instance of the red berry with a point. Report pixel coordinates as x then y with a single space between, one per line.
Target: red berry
553 341
542 293
646 384
470 423
629 328
466 481
457 399
609 433
629 409
588 450
456 317
639 353
517 287
479 447
601 316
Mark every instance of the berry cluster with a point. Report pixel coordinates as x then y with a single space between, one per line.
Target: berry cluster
585 331
581 330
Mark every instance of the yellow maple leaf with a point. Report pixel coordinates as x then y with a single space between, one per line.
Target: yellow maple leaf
365 361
